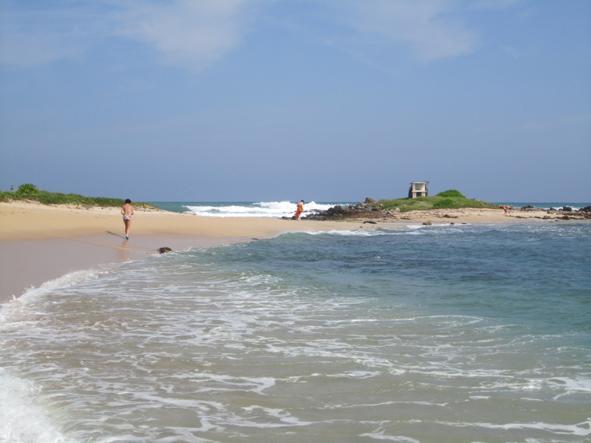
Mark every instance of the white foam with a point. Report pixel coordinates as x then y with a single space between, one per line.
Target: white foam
33 293
581 429
356 374
379 434
346 233
21 418
400 230
252 384
571 385
285 418
261 209
69 279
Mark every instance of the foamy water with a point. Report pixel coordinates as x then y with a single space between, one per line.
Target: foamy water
436 334
259 209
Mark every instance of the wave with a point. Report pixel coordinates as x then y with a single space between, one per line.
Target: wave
32 293
21 418
581 429
260 209
401 230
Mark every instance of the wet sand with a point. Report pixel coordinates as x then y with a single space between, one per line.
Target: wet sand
29 263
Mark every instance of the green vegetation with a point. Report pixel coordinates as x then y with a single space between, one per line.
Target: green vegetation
30 192
450 199
451 193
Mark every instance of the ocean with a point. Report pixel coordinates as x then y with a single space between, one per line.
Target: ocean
443 333
286 208
273 209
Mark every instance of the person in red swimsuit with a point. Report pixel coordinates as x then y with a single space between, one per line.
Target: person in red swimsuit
299 210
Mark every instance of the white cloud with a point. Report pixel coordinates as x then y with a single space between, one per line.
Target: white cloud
189 32
197 33
426 26
194 33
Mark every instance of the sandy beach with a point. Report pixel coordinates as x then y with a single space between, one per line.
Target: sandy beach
40 242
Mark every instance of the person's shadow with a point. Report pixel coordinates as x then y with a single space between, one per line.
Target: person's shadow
116 235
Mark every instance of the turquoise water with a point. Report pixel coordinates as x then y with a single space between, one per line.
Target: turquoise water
432 334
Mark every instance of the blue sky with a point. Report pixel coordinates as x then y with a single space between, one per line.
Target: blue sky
290 99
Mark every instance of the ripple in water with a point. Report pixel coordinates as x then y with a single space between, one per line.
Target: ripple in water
309 338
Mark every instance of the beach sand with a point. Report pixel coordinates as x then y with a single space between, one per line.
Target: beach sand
40 242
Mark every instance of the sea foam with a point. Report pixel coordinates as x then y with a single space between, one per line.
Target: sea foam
275 209
21 418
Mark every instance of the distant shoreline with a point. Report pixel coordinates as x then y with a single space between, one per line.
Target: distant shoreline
40 242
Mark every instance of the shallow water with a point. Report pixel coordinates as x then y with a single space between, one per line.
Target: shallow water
430 334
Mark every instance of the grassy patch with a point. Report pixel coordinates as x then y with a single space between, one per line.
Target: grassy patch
30 192
453 193
451 199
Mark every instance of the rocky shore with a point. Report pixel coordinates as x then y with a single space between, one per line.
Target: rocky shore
371 211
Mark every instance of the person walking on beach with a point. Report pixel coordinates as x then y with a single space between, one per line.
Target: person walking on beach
127 213
299 210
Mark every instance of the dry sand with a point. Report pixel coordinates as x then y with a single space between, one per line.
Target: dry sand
40 242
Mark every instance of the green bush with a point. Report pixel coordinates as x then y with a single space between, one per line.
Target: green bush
450 199
27 189
451 193
445 203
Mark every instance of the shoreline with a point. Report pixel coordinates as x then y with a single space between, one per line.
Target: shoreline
28 263
40 242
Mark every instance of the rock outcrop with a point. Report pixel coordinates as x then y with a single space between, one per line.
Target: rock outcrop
358 210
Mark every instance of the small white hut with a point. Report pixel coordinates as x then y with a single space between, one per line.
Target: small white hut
418 189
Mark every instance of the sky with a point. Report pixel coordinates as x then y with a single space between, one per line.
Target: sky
259 100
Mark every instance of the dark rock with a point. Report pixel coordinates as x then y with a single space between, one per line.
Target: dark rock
164 250
339 212
585 209
370 222
567 209
528 208
427 223
369 201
